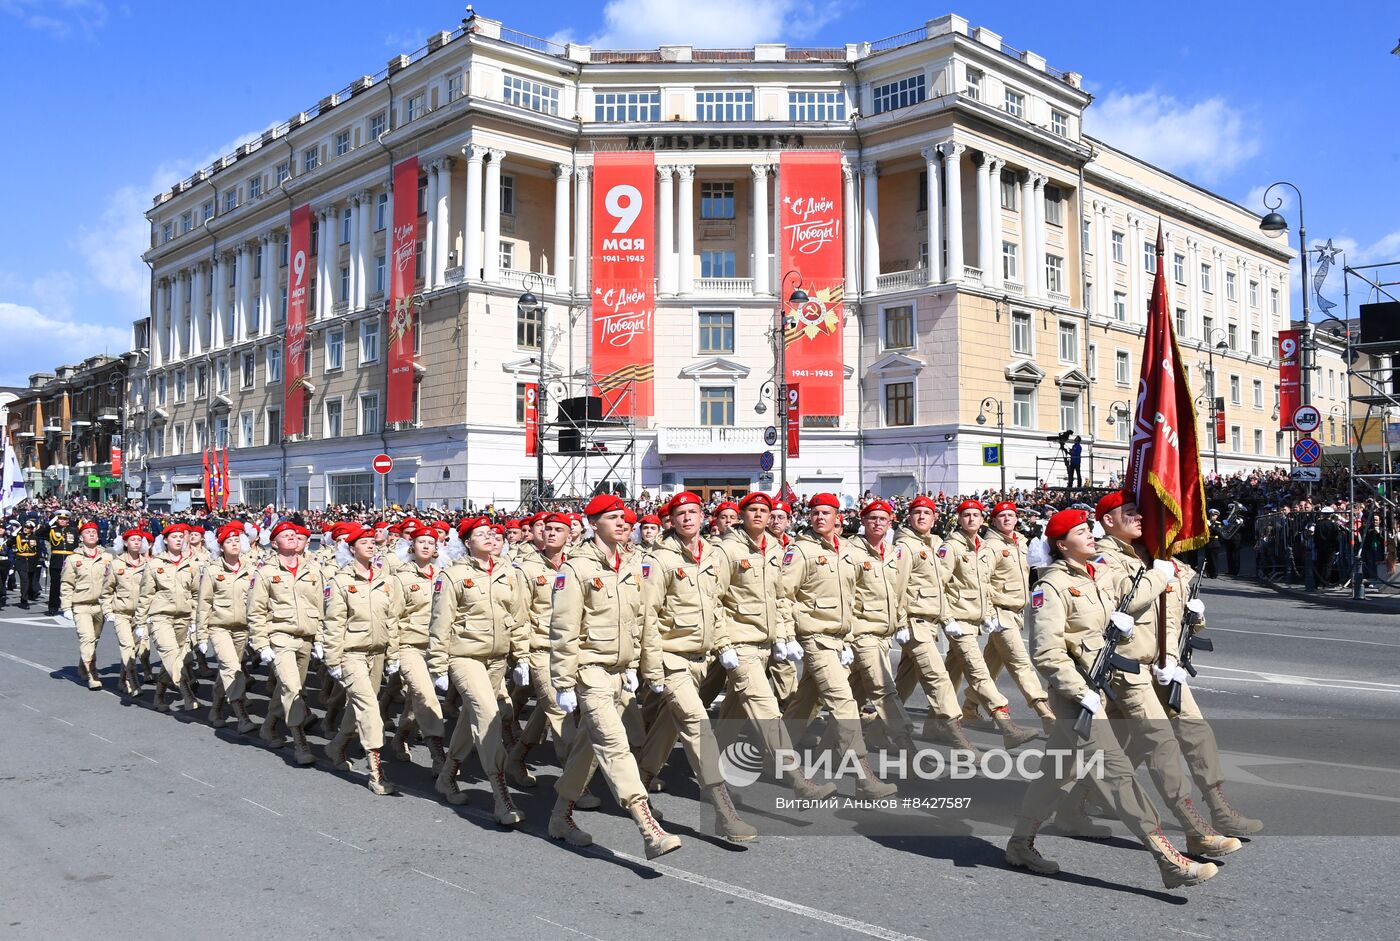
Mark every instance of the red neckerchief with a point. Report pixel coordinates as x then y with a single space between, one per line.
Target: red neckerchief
836 543
140 561
293 569
490 566
429 574
236 569
882 551
1089 567
94 555
617 562
763 546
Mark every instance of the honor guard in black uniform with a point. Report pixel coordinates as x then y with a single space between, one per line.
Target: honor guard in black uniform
7 552
27 562
61 536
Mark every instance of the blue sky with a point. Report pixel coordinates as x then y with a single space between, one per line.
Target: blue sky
111 102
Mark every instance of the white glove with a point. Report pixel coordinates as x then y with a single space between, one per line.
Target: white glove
336 673
68 615
780 652
1091 701
1123 621
441 683
992 624
266 655
139 634
1179 675
567 700
952 629
1165 568
729 659
391 668
902 636
521 674
203 648
1197 607
658 688
1164 674
847 656
795 651
211 655
190 632
630 682
318 650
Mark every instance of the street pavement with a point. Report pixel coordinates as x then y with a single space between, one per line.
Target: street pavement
117 821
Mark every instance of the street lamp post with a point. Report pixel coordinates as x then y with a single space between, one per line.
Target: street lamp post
987 403
1274 225
777 386
529 304
1211 346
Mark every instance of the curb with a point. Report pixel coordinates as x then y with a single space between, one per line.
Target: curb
1387 605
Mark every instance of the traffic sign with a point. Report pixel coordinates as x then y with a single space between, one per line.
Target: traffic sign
991 455
770 436
1310 475
1306 418
382 463
765 461
1307 451
765 479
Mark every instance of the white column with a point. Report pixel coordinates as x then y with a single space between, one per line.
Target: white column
249 250
239 317
1028 272
1103 262
197 309
952 169
1139 309
848 195
444 219
216 303
984 214
759 228
432 266
583 245
267 282
491 234
177 318
366 224
471 224
1038 234
325 293
775 230
685 229
870 219
665 229
933 228
1193 278
559 263
991 270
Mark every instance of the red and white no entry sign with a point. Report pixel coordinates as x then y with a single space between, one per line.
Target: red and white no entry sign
382 464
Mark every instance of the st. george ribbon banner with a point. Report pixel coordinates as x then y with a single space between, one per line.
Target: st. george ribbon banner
1290 372
811 239
532 419
624 272
402 316
298 291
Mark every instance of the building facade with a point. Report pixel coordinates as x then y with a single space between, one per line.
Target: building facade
998 262
64 425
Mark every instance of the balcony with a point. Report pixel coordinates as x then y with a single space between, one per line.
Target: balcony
514 278
972 276
901 280
709 439
724 287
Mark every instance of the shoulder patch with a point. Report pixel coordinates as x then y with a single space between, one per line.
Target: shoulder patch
1100 559
788 557
943 552
646 570
437 585
559 581
1038 598
327 592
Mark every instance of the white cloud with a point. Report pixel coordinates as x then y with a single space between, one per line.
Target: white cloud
61 19
1206 139
645 24
1381 250
36 342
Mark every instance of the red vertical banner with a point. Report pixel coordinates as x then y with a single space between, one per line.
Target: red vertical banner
1290 372
403 318
223 501
794 422
208 482
624 273
532 419
813 255
116 457
294 347
1219 420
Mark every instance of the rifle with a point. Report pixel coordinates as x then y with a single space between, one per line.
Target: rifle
1100 675
1189 642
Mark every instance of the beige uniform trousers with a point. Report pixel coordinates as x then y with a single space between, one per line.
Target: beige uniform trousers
361 674
1197 740
783 673
483 712
921 664
171 641
87 620
871 672
965 661
546 718
291 656
682 716
420 698
600 740
228 646
127 647
1006 648
825 682
1148 737
749 694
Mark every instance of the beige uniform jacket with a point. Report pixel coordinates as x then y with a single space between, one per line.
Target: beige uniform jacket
415 619
683 618
538 575
819 580
223 597
478 611
967 575
1011 577
754 600
597 615
281 601
123 585
1069 614
1177 593
84 575
362 614
1118 563
925 601
881 573
168 588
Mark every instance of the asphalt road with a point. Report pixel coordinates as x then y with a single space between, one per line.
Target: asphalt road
117 821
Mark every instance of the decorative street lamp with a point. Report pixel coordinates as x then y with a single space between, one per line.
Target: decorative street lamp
529 305
990 402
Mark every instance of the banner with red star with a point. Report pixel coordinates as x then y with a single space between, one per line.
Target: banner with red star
403 318
812 252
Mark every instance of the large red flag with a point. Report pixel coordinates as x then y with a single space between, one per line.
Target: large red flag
208 490
1164 468
223 502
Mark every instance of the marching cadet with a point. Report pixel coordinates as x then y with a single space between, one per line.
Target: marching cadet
595 632
926 607
166 609
120 594
1010 593
286 608
80 597
364 605
683 625
819 586
650 530
782 671
1070 611
725 518
877 613
756 632
61 537
27 562
478 622
222 624
421 708
966 561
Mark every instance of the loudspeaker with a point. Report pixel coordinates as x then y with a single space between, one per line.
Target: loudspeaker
1380 323
570 441
584 410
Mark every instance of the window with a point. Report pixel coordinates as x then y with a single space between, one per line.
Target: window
1149 257
1179 268
537 96
274 363
1254 342
900 93
505 256
1091 366
1120 306
342 143
254 187
332 413
454 86
422 196
167 232
1117 245
272 426
1181 321
351 488
507 195
899 327
921 195
1022 408
899 404
1021 332
1069 413
335 349
379 274
1229 285
381 212
1059 124
221 377
378 124
1205 279
1232 334
186 222
1054 274
178 439
345 226
369 413
1015 104
1236 442
283 171
1258 389
717 264
1273 301
623 106
719 105
1207 325
180 386
1122 367
158 440
246 371
1234 390
208 210
201 381
717 405
230 200
369 341
716 331
1010 269
345 283
974 84
1069 342
245 429
520 402
1258 441
1253 294
816 106
1054 206
415 107
310 159
527 327
1331 385
1010 192
716 200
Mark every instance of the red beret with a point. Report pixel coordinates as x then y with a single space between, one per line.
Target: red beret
824 499
465 526
172 529
90 524
339 530
498 529
228 531
442 526
512 524
727 505
630 515
603 503
684 498
287 526
753 498
1062 522
922 501
136 532
382 524
1004 505
877 505
327 527
355 532
563 519
783 505
651 518
971 505
665 508
1111 502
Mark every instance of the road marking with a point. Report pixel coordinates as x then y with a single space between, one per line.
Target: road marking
27 663
1238 774
1193 934
197 780
1288 679
263 806
1324 637
340 841
64 721
444 881
29 707
567 928
107 740
147 757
